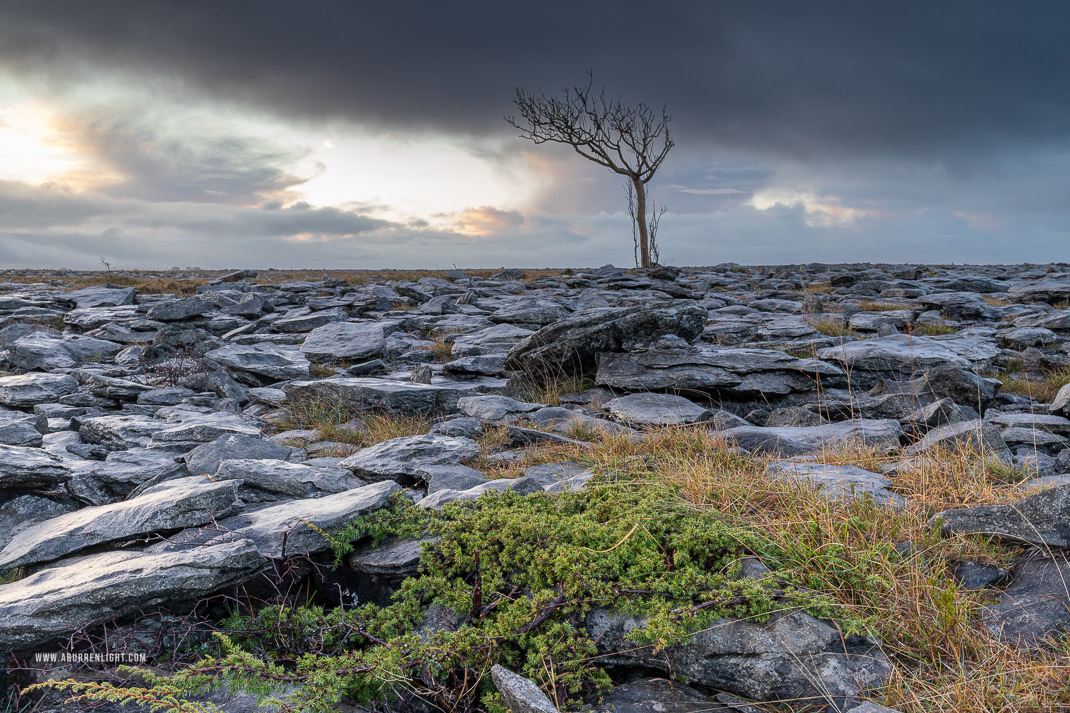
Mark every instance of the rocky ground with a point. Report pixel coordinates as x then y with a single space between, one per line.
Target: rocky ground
166 458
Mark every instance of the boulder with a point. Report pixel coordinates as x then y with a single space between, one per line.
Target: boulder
271 480
839 482
205 459
571 345
118 475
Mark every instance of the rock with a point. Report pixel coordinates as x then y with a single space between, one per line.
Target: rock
66 597
271 480
48 353
21 511
656 410
20 429
181 309
420 374
976 435
111 480
1040 519
498 339
1061 405
185 502
970 575
452 477
962 386
791 656
440 498
1046 290
1035 606
728 372
273 361
939 413
901 355
109 387
27 390
405 459
486 365
571 345
870 707
532 313
495 409
399 397
793 416
520 695
792 441
296 525
660 695
120 432
346 341
306 320
191 426
30 469
839 482
101 296
205 459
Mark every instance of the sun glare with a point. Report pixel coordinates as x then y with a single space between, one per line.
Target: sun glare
32 150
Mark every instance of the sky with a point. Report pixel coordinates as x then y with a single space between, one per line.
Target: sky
149 134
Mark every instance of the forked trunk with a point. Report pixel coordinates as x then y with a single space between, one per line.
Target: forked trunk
640 218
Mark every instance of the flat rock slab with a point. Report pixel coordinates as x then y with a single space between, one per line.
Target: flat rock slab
1035 606
22 429
975 435
176 504
268 480
393 396
273 361
1040 519
120 432
789 441
727 371
840 482
347 341
656 410
406 458
30 469
288 525
118 475
62 599
496 409
205 459
901 354
26 390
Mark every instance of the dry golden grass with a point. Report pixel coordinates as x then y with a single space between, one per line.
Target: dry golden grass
832 327
871 306
945 659
932 329
1043 389
332 421
442 348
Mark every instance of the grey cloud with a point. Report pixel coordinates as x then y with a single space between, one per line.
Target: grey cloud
778 77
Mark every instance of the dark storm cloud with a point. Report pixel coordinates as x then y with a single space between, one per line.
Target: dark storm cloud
934 79
160 159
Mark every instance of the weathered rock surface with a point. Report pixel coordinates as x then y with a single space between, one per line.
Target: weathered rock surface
793 655
571 345
656 410
66 597
176 504
1040 519
1035 606
405 459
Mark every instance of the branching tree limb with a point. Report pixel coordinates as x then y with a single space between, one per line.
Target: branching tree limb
632 141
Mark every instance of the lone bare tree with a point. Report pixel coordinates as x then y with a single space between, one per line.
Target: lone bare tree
629 140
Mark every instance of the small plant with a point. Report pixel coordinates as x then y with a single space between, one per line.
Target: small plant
832 327
932 329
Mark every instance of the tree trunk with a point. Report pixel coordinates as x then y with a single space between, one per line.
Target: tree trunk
640 218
